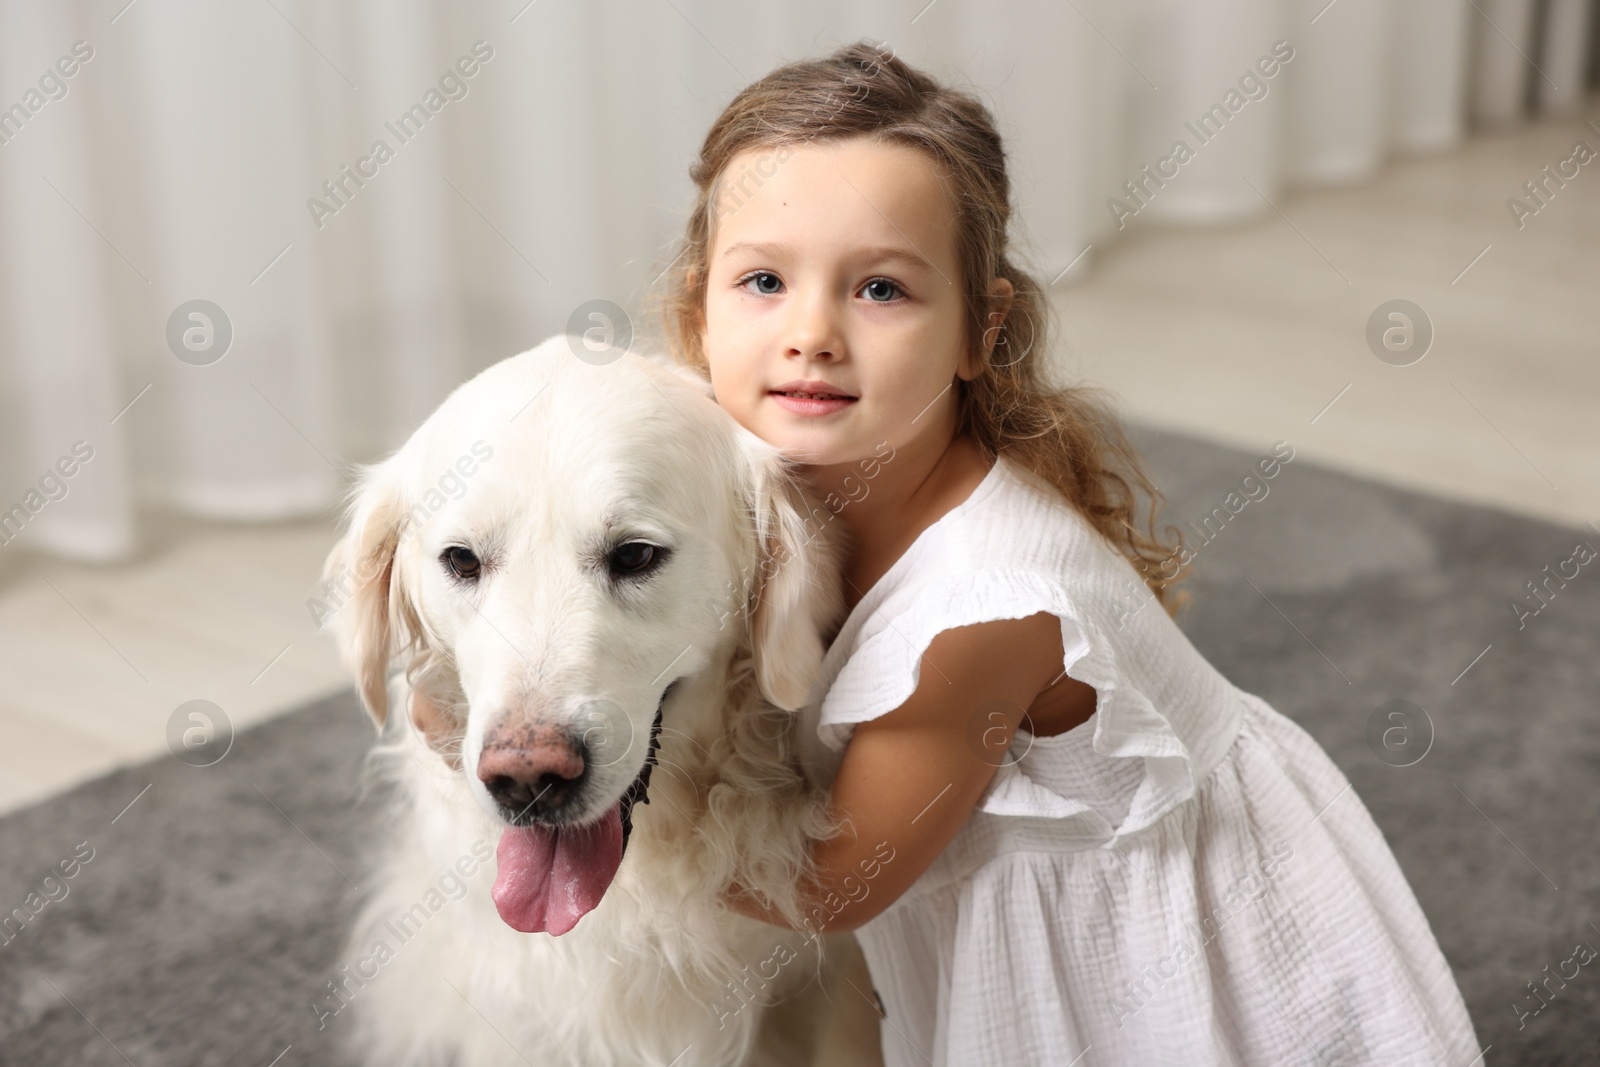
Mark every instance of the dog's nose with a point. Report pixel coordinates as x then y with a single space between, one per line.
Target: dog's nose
533 779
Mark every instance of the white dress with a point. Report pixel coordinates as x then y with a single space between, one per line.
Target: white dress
1185 878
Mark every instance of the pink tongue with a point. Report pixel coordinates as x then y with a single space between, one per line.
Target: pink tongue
550 878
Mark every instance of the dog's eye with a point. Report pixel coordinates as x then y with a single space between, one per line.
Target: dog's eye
635 557
460 561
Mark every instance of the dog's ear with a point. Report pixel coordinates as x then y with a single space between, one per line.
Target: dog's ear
667 364
796 592
694 378
357 577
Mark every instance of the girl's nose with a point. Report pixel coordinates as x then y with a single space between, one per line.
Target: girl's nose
814 329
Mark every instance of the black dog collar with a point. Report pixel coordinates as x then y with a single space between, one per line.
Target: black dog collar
639 791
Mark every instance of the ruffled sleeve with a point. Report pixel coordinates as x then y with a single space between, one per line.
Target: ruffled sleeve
1115 774
883 671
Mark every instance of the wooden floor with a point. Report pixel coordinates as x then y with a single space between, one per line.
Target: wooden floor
1257 334
1246 336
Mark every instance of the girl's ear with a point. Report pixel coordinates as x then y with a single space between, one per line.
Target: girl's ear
359 574
796 591
1001 296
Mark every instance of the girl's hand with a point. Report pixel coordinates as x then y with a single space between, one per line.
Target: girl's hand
910 779
434 727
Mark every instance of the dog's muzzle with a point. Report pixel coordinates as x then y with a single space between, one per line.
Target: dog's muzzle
550 875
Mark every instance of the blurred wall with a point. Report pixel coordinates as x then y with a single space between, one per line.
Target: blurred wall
243 245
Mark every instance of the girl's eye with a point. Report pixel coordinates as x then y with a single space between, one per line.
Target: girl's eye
461 562
755 276
883 288
882 283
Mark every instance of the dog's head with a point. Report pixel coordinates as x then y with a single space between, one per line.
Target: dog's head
552 550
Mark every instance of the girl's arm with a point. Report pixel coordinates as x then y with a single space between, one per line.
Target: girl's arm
910 778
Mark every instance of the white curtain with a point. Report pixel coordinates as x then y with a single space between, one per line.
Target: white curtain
535 157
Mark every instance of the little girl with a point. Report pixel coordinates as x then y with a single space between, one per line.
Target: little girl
1071 840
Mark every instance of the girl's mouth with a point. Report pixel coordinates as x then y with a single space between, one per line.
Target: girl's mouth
811 403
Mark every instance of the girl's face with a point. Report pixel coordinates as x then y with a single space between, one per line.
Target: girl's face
836 263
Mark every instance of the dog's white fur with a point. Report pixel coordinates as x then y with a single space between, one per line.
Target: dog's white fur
738 612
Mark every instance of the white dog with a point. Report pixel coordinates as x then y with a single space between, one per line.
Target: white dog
594 573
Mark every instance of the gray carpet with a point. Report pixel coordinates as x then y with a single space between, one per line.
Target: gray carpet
207 921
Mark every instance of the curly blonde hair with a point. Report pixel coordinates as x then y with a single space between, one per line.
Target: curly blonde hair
1068 436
